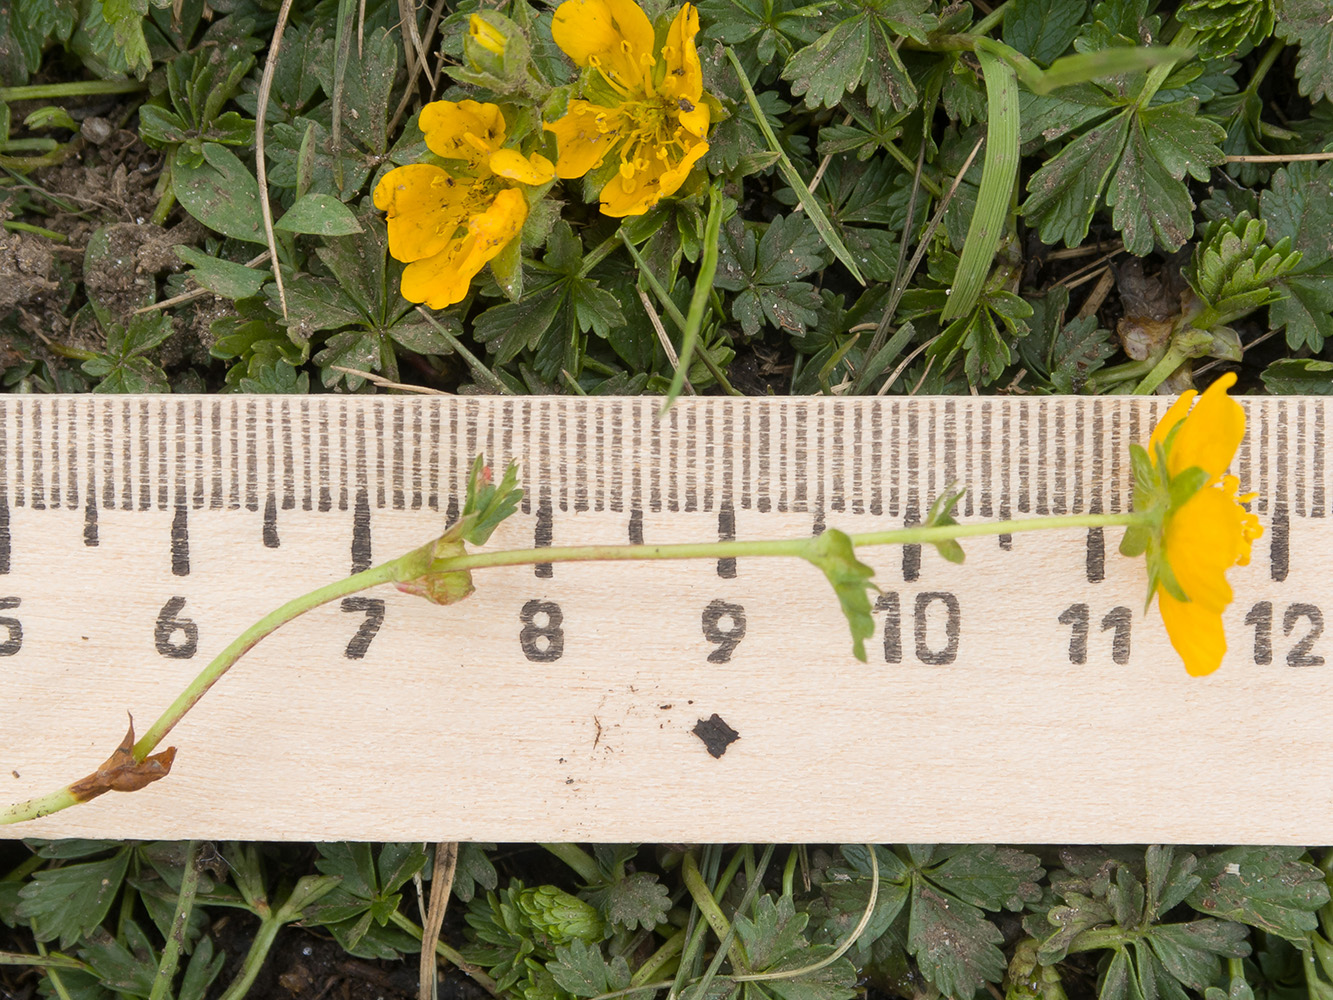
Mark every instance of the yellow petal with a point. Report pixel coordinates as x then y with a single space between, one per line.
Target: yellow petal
1195 631
443 280
684 76
1174 415
424 207
1204 539
694 120
466 130
634 191
513 165
615 36
1211 433
584 136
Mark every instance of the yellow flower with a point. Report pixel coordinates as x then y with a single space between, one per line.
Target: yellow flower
1206 534
657 121
447 224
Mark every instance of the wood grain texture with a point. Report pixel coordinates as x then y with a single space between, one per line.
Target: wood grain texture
969 723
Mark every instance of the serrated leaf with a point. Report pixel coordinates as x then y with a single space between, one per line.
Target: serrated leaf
1079 349
68 902
1150 203
1307 23
832 552
1063 194
954 944
1299 377
1043 29
1191 952
1299 205
774 938
580 969
1265 887
990 877
637 900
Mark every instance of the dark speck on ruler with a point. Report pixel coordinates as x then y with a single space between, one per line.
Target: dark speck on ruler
716 734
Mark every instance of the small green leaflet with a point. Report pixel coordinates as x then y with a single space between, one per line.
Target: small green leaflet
832 552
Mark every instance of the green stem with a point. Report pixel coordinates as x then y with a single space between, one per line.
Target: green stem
1271 53
599 253
480 372
384 573
577 858
797 547
171 951
78 88
703 898
1101 938
658 959
27 227
58 155
1158 74
254 958
703 284
447 953
42 961
64 798
990 21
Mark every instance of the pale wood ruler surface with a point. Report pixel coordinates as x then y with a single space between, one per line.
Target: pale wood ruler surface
1023 696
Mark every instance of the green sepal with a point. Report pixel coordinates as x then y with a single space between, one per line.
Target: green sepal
1186 485
940 516
487 503
833 553
1145 476
1135 542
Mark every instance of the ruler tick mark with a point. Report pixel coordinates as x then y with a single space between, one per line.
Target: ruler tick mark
636 527
361 532
90 538
1280 543
180 542
271 522
726 532
1096 558
543 535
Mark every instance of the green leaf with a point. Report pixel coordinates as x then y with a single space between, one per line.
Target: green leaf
1063 194
832 552
953 942
1299 377
1266 887
221 193
319 215
1307 23
1043 29
998 176
367 84
122 368
69 902
1190 952
774 938
580 969
1296 208
315 304
223 277
764 272
1079 349
990 877
636 900
125 17
474 869
360 349
1147 194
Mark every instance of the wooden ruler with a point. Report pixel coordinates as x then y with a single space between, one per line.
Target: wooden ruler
1023 696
